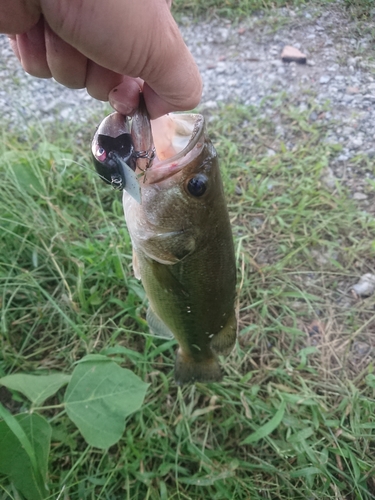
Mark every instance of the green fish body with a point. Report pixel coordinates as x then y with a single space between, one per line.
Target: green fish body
183 250
178 221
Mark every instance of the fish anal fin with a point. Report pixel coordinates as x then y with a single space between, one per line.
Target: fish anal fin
156 325
223 342
187 370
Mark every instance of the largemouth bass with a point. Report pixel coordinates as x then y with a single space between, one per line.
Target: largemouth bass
179 226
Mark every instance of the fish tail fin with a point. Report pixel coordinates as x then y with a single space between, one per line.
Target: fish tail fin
188 370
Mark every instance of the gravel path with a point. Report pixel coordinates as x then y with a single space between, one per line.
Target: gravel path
241 62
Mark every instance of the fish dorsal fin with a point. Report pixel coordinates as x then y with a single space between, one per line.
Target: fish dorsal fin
157 327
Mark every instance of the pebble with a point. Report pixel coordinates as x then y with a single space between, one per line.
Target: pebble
365 286
359 196
361 348
324 79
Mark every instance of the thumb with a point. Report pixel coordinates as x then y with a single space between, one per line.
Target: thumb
133 38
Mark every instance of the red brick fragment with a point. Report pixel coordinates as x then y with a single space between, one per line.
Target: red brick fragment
291 54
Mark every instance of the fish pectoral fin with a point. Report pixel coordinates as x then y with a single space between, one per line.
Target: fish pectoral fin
157 327
164 274
136 270
188 370
223 342
169 248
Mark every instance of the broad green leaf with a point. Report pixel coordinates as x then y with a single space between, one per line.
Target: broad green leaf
267 428
15 461
37 388
19 434
99 397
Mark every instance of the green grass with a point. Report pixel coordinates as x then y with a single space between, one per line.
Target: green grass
234 9
295 415
231 9
360 9
237 9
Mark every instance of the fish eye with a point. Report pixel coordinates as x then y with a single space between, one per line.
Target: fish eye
100 153
197 185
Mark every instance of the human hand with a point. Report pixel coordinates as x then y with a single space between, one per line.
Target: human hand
112 48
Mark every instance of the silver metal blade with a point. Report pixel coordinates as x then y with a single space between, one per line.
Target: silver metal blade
131 181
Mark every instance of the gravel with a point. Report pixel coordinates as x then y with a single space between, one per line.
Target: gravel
242 63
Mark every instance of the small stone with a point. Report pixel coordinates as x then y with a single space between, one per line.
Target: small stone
352 90
292 54
333 68
221 35
356 142
365 286
359 196
208 105
343 157
324 79
361 348
65 113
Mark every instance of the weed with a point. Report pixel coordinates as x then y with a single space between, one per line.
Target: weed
294 417
234 9
360 9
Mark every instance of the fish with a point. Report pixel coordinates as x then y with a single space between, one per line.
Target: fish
178 221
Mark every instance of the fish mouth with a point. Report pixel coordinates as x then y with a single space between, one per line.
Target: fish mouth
178 139
154 150
175 135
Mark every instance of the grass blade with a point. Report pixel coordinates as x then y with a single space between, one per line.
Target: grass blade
267 428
